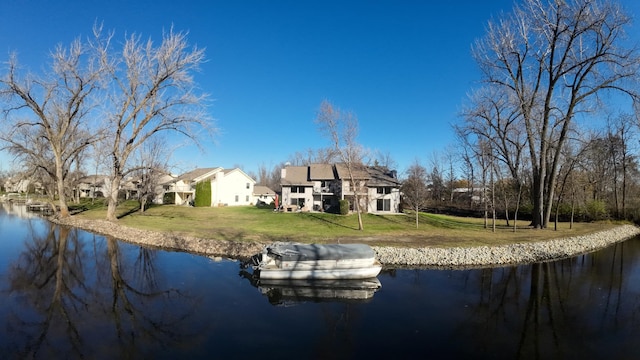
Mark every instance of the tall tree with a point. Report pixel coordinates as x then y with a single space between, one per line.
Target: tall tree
151 91
414 189
621 132
554 58
341 128
151 167
48 121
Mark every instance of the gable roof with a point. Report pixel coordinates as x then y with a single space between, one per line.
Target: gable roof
229 171
381 176
198 174
359 172
295 175
263 190
93 179
321 172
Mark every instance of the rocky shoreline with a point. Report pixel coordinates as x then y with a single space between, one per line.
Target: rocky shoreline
455 257
512 254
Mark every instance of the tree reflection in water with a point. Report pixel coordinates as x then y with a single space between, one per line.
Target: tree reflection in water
553 307
69 304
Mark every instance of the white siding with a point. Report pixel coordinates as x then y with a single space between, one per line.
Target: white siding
231 189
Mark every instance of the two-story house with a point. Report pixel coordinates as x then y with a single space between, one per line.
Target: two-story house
320 187
297 188
227 187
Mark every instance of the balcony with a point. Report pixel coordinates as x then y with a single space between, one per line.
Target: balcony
326 190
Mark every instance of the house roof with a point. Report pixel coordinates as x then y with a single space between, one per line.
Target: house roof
295 175
197 174
381 176
321 172
228 171
93 179
262 190
359 172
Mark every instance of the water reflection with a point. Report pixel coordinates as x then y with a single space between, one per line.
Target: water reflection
292 292
72 297
586 307
66 293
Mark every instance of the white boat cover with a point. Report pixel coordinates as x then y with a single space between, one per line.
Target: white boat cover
304 252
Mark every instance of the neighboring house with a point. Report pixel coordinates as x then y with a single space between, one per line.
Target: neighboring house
17 185
319 187
22 185
262 194
383 190
92 186
228 187
297 189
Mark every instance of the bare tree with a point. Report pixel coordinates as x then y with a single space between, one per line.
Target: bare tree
311 156
620 133
341 128
47 117
554 58
151 91
436 178
270 177
414 189
385 160
151 166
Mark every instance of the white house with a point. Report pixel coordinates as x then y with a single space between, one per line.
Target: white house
262 194
92 186
228 187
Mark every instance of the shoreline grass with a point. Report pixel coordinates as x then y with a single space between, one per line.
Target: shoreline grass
248 223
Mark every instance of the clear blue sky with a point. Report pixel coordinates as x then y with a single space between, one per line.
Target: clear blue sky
403 67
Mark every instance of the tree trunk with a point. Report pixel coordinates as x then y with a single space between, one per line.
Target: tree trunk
113 198
537 197
64 209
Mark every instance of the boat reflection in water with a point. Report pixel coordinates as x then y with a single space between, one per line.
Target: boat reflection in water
291 292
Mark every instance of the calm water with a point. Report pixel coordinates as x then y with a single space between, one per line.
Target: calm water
67 293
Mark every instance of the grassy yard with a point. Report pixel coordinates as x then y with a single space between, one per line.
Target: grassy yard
251 223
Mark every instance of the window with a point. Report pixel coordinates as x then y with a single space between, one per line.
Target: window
247 199
297 201
383 205
297 189
384 190
237 198
247 185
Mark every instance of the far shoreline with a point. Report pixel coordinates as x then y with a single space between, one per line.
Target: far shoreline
391 257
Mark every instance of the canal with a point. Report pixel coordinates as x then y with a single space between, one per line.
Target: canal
67 293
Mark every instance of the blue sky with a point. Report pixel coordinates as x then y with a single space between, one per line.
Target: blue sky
403 67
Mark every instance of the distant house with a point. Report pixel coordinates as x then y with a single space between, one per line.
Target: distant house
92 186
320 187
262 194
22 185
228 187
17 185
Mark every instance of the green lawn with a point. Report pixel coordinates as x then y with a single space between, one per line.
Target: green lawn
264 225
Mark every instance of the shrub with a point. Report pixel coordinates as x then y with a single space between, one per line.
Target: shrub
344 207
169 198
596 210
203 194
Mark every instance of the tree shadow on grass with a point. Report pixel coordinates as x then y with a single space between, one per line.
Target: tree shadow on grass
400 219
128 212
323 219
